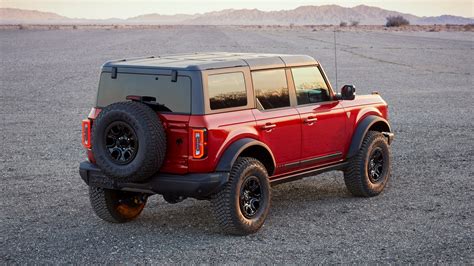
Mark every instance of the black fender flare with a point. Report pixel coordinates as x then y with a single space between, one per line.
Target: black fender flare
361 131
232 152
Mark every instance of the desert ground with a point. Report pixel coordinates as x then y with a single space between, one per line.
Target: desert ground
48 85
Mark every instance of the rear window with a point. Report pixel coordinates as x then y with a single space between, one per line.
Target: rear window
271 88
226 90
176 96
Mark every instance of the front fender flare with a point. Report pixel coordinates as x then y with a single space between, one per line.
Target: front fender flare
232 152
361 131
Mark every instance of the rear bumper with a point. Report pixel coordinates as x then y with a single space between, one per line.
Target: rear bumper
189 185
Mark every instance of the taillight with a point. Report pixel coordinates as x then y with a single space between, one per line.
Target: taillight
199 143
86 133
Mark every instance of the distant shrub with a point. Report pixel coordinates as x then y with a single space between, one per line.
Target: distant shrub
354 23
292 25
396 21
74 27
469 27
343 24
22 27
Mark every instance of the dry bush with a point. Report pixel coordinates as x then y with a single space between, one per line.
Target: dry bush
74 27
468 27
354 23
22 27
343 24
396 21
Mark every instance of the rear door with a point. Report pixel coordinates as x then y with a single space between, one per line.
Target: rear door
323 118
278 122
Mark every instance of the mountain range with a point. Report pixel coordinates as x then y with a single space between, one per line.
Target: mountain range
303 15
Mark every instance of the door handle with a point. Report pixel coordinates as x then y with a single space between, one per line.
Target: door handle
268 126
310 119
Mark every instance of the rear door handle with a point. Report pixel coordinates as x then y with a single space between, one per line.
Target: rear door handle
268 126
310 119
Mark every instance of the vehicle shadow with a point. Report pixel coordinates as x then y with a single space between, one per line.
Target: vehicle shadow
196 217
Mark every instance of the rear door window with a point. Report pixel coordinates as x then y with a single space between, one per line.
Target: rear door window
226 90
271 88
310 85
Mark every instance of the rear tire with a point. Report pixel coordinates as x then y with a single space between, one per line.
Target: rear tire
116 206
128 141
241 207
369 170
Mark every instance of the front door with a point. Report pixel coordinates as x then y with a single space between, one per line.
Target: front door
323 118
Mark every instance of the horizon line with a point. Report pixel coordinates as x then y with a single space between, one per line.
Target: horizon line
234 9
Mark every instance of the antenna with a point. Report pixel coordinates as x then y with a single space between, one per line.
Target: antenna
335 55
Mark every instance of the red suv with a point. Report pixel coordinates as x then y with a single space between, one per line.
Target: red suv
225 127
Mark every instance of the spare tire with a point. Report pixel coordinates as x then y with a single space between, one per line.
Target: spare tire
129 141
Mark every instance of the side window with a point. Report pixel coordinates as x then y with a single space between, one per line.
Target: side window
310 85
226 90
271 88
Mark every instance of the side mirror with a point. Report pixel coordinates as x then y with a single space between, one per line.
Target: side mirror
348 92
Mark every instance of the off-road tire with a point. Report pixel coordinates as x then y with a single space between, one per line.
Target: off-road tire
116 206
151 141
356 175
226 203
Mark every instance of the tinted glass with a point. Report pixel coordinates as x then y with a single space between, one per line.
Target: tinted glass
271 88
310 85
227 90
175 96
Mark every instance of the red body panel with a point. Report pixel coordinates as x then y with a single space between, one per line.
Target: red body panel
283 135
222 130
323 128
295 142
177 143
289 138
358 109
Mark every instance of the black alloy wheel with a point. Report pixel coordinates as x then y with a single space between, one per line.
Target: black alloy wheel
121 142
250 196
375 165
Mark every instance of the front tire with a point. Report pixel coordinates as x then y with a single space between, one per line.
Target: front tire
242 206
116 206
369 170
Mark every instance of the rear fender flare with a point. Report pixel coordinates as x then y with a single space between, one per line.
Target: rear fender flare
360 132
231 154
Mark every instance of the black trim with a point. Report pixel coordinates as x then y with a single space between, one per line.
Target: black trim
113 75
306 173
174 75
361 131
289 165
310 161
189 185
235 149
321 158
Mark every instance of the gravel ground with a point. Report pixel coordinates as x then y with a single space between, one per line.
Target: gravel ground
48 84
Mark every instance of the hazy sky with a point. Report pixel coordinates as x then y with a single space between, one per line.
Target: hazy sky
130 8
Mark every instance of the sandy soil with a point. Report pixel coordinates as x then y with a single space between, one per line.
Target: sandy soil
48 84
